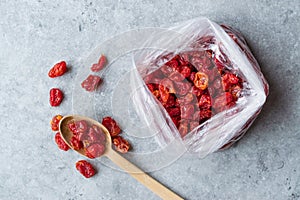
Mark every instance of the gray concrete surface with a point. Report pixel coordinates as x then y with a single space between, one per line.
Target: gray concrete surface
265 164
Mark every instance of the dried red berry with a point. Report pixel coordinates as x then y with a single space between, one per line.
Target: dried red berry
164 93
60 142
58 69
186 71
204 101
121 144
55 122
201 80
56 97
76 143
100 65
95 150
91 83
85 168
111 125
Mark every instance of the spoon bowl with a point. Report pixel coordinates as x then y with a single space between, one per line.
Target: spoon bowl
66 134
156 187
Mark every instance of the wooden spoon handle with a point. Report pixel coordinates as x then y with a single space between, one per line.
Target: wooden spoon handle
141 176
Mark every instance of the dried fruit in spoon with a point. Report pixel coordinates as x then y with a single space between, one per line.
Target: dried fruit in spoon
85 168
88 137
58 69
91 83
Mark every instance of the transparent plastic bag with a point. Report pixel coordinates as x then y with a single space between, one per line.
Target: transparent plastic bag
201 84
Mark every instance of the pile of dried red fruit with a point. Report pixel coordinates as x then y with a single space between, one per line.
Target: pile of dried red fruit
87 137
193 86
92 82
56 95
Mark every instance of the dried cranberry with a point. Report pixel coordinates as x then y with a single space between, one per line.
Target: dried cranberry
205 101
223 101
228 80
95 150
60 142
100 65
186 71
55 122
182 87
173 64
95 135
76 144
166 70
205 114
81 126
121 144
187 111
201 80
111 125
196 91
176 76
56 97
164 93
85 168
91 83
187 99
58 69
167 83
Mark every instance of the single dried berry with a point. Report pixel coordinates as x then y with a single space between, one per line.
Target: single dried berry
56 97
55 122
187 111
60 142
91 83
95 150
167 83
186 71
76 143
100 65
95 135
204 101
121 144
201 80
111 125
58 69
164 93
85 168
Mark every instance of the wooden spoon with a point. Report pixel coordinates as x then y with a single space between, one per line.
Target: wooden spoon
127 166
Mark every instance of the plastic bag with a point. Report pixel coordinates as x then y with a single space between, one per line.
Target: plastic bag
202 85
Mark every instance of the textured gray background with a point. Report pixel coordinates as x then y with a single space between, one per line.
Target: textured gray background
265 164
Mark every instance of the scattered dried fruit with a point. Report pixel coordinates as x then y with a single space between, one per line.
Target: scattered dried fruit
85 168
100 65
55 122
121 144
112 126
60 142
91 83
58 69
56 97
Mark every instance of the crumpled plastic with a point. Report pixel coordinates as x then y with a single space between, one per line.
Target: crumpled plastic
209 112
